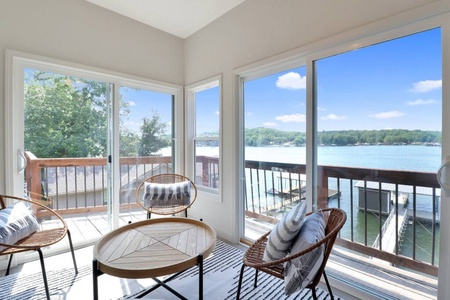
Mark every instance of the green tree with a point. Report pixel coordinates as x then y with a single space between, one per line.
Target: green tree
65 116
129 143
152 136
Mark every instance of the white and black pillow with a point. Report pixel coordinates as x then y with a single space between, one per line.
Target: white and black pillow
16 222
167 194
299 272
282 235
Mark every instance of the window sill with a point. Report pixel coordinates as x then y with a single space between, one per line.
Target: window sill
360 277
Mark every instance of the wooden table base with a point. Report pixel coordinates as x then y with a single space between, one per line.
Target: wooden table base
96 272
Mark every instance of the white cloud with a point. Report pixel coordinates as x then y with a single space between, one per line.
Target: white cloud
295 118
250 114
321 109
270 124
426 86
421 102
217 112
388 115
334 117
131 103
291 81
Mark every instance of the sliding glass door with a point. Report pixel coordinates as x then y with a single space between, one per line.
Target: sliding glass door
146 138
87 139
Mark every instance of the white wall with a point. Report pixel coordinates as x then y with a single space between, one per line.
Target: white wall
267 30
80 32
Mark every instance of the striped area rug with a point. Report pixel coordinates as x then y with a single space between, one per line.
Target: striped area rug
221 275
31 286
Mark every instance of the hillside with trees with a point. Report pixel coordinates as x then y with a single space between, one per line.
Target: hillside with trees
267 137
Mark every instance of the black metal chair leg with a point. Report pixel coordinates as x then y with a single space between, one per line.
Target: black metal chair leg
238 294
44 274
328 285
95 274
313 291
149 215
200 274
255 284
9 265
73 253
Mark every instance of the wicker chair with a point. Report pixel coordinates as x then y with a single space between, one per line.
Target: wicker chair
162 207
39 239
335 219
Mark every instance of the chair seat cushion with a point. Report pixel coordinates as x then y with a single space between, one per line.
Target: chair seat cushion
299 272
16 222
167 194
282 235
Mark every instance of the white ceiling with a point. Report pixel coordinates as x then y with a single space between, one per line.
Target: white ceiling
178 17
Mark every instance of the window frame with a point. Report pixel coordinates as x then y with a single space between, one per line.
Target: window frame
344 42
190 127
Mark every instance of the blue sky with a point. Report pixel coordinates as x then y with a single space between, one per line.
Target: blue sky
207 116
391 85
143 104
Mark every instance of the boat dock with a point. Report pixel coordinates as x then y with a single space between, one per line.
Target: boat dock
388 240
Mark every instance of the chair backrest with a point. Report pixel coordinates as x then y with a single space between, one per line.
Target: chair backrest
43 236
336 218
166 194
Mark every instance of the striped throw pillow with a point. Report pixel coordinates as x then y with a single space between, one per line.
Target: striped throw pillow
299 272
282 235
16 222
167 194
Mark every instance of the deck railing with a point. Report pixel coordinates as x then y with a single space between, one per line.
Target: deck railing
78 185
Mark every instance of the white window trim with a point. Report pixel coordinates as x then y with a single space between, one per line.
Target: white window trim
190 134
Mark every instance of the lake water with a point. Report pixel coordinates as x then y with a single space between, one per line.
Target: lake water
411 158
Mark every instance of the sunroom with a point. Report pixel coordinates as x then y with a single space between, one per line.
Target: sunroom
340 104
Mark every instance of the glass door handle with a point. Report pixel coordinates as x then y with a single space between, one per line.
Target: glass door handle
21 161
443 176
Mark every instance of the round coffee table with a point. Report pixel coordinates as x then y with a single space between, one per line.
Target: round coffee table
153 248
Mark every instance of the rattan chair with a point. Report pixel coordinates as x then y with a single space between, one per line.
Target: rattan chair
39 239
163 207
335 219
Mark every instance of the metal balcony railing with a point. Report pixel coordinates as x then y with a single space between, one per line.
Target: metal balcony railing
409 238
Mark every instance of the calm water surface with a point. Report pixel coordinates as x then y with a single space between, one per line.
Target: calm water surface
411 158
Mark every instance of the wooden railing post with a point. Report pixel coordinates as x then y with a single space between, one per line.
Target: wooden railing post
322 188
205 171
33 174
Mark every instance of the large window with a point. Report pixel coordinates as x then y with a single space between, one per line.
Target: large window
364 134
274 145
204 102
379 126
